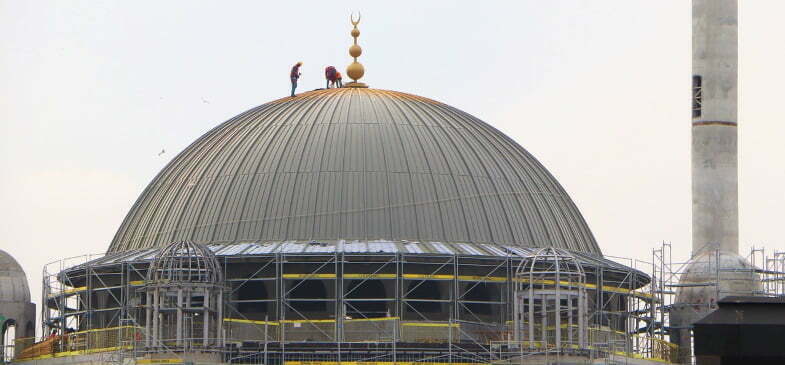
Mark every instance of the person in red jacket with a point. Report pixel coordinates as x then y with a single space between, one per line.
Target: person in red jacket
294 75
338 80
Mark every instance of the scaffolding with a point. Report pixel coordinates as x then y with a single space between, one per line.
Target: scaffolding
772 272
288 308
762 275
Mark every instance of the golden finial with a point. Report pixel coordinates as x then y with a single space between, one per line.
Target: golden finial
356 69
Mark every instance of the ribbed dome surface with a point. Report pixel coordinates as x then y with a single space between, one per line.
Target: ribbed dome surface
13 281
355 164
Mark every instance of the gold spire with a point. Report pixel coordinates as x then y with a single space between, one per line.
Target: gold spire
356 69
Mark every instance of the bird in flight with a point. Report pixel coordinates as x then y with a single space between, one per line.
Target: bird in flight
162 152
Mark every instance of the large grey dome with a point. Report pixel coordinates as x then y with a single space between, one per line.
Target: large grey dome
355 164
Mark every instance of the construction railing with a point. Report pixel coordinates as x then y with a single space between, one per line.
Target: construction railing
601 340
21 344
82 342
664 350
385 329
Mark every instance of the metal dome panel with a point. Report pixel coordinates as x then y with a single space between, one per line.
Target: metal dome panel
355 164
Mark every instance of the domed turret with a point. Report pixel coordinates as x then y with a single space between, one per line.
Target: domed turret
190 274
15 306
709 277
13 281
185 262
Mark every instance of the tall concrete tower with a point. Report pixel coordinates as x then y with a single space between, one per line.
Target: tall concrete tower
715 222
715 270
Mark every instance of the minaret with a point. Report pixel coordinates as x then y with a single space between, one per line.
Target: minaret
715 218
715 269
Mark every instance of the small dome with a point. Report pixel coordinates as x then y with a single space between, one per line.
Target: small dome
697 294
185 262
13 281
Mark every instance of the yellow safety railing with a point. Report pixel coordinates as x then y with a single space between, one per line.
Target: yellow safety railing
116 338
68 291
607 339
355 330
20 344
82 342
663 350
380 363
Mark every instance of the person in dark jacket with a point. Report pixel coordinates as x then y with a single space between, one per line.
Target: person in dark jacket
329 74
295 75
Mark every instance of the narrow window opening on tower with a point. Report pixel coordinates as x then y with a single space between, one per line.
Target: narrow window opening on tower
8 332
697 95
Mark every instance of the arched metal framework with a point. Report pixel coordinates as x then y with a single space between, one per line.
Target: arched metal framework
550 300
186 289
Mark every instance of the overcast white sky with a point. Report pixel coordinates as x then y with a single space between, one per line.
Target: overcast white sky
597 90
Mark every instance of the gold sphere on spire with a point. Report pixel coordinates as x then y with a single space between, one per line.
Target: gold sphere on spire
355 51
355 70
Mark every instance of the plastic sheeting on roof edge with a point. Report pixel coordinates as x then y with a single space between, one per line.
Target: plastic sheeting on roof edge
362 247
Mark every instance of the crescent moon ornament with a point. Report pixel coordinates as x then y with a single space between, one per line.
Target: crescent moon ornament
351 19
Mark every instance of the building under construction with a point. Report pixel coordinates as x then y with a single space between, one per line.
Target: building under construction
350 224
365 226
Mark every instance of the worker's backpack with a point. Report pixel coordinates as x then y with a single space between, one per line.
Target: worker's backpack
330 72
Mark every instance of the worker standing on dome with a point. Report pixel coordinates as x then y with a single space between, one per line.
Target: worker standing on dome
295 75
338 80
329 74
